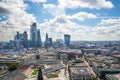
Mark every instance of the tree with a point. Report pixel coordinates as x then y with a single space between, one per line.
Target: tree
94 78
13 67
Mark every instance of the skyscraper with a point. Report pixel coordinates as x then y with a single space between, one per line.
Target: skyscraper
67 39
18 41
33 35
47 42
46 39
25 40
50 41
39 42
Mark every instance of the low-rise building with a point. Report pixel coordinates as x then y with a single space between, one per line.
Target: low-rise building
79 70
112 77
80 73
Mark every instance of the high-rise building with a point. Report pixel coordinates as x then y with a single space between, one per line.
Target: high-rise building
67 40
17 36
39 42
17 41
46 39
33 35
25 40
50 40
47 42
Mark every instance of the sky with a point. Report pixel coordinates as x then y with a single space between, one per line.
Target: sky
83 19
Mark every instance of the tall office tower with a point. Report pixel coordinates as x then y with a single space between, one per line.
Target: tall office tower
33 35
25 40
67 39
39 42
47 42
46 39
50 41
17 41
17 36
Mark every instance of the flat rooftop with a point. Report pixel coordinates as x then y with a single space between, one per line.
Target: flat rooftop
80 70
74 51
82 64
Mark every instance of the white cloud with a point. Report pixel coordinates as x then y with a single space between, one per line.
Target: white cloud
106 32
96 4
53 9
82 16
110 21
107 29
57 10
39 1
61 25
18 20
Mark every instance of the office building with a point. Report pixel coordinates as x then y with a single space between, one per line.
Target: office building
46 39
50 40
33 35
21 40
39 42
17 41
67 40
25 40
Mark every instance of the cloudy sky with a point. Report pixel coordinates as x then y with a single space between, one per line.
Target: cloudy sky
82 19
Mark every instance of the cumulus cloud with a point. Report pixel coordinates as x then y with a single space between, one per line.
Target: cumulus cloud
57 10
38 1
19 19
106 32
107 29
53 9
110 21
91 4
60 8
61 25
82 16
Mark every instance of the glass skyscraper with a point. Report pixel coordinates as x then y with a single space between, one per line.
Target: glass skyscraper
67 40
35 36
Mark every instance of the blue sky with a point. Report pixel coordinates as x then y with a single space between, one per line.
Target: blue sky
82 19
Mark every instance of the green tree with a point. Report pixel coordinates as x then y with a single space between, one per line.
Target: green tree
13 67
94 78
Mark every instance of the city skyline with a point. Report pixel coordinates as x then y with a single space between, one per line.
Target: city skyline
83 20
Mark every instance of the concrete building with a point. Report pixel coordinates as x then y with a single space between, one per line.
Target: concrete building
79 71
112 77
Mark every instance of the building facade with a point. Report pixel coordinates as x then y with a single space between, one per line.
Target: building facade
25 40
67 40
39 42
33 35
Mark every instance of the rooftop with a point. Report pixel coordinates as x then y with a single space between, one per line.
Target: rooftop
74 51
80 70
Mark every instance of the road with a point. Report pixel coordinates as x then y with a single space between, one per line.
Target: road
91 70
